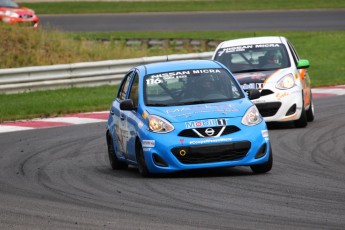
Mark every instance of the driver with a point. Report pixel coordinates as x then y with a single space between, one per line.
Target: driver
272 57
207 86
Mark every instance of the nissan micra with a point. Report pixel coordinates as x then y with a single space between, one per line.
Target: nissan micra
271 65
185 115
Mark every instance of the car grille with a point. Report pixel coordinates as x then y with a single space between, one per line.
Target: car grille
268 109
203 132
211 153
25 16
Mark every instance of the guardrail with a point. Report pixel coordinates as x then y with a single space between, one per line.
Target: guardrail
27 79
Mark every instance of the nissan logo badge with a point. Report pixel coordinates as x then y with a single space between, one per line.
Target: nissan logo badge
209 132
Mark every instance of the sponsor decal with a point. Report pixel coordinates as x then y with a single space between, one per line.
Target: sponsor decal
146 149
252 76
148 143
140 124
210 141
280 95
196 109
161 77
265 134
206 123
253 86
182 141
244 48
259 101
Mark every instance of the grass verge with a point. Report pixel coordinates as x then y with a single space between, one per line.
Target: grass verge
179 6
55 102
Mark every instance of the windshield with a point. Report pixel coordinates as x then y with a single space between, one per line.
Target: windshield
8 3
250 58
186 87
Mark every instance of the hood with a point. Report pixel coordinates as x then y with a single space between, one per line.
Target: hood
254 77
185 113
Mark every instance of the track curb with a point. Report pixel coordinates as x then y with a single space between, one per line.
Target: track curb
94 117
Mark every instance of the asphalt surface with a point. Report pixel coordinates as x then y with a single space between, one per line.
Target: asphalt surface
59 178
298 20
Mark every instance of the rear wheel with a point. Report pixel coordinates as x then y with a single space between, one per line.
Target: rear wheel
141 162
115 163
265 167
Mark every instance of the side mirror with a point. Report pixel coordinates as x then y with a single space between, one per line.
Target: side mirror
253 94
127 105
303 64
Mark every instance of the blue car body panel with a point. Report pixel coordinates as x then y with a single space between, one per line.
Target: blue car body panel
128 127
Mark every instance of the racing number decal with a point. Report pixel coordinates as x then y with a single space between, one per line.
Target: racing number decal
123 135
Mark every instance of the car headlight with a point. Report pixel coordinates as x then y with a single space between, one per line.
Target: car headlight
159 125
286 82
251 117
12 14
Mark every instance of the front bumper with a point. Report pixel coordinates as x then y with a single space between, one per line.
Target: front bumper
34 21
170 152
281 105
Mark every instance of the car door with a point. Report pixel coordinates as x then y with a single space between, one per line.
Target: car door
130 118
120 131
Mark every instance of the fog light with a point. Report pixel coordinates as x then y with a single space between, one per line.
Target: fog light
158 160
291 111
261 152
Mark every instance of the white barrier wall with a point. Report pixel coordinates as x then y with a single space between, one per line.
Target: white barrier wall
28 79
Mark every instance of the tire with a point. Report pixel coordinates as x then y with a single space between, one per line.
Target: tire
115 163
265 167
302 121
310 112
141 162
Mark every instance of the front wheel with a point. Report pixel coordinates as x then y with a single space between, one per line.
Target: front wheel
302 121
141 162
310 112
265 167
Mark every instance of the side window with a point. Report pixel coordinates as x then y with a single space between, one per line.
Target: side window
124 86
134 92
294 53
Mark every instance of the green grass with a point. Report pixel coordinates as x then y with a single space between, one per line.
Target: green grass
174 6
48 47
56 102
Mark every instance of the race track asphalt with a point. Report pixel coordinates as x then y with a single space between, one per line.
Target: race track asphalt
59 178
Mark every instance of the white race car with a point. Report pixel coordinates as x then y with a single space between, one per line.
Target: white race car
271 65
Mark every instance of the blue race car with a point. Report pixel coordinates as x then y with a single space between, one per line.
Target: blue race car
185 115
